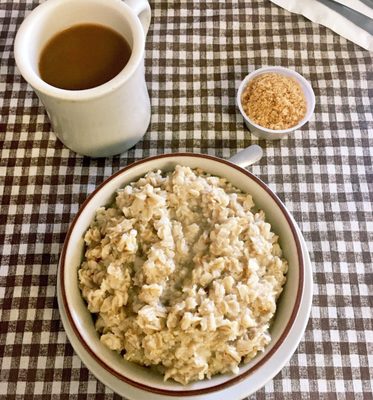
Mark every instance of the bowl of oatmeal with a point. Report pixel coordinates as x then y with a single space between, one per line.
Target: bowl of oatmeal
275 101
182 274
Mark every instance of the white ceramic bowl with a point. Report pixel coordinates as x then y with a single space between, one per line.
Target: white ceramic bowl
73 249
272 134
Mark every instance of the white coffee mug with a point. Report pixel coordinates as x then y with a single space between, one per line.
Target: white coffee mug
107 119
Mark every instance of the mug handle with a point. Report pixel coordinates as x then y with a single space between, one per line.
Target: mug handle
142 9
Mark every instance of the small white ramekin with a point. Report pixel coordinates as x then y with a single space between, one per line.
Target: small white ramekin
272 134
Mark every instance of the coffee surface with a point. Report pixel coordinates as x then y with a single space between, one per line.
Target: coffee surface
83 56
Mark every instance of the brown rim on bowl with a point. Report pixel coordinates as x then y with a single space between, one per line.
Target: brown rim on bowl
234 379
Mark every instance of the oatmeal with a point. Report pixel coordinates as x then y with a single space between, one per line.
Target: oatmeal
182 274
274 101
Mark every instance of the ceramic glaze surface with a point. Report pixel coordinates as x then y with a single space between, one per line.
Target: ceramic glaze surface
276 215
109 118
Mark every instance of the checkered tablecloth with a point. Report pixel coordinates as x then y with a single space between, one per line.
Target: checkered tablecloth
196 54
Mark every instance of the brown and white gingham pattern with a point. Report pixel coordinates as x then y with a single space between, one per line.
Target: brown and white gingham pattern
196 54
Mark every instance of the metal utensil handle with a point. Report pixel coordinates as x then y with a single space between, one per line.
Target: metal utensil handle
247 156
353 16
368 3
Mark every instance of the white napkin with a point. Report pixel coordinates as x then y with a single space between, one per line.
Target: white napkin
323 15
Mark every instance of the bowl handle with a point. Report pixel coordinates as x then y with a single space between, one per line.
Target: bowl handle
247 156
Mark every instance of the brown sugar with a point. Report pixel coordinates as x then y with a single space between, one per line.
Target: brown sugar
274 101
